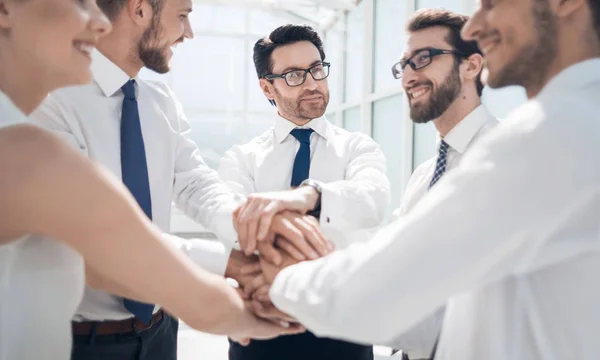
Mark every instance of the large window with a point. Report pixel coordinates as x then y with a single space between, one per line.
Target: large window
333 46
389 37
388 131
452 5
227 19
214 78
351 120
354 54
424 138
208 74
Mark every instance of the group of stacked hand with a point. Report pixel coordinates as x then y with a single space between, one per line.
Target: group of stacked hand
276 226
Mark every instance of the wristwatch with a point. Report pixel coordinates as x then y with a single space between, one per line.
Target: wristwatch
316 211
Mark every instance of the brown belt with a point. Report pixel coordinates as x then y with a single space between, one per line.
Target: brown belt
115 327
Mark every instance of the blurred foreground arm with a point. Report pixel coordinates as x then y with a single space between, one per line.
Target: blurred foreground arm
49 189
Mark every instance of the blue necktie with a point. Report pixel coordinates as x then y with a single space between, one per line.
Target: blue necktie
440 166
302 161
440 169
134 170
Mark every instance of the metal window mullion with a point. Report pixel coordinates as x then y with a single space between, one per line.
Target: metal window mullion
408 149
247 59
343 16
366 105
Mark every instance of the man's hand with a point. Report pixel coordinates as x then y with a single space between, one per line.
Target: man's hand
238 261
271 270
253 218
300 236
266 310
251 327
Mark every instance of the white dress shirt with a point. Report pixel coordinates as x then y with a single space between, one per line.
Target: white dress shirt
89 117
460 139
350 168
41 284
510 237
419 341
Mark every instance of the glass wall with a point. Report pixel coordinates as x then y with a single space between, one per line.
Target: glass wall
452 5
383 112
214 77
352 120
388 131
354 54
388 40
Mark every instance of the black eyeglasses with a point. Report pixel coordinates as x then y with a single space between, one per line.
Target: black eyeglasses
298 77
421 59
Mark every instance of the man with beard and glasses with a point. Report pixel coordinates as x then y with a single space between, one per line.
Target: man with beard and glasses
333 173
440 74
137 130
509 240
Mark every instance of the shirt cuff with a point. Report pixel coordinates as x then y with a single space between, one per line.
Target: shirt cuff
332 206
210 255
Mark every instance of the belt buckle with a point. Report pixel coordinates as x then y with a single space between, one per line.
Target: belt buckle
134 326
137 330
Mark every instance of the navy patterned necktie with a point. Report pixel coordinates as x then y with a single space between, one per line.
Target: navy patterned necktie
134 172
440 165
440 169
302 161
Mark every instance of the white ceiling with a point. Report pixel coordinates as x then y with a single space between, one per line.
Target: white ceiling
319 12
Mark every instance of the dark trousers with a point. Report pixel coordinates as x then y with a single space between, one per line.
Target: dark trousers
156 343
304 346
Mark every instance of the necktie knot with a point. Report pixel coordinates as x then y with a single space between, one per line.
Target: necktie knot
440 164
129 89
302 135
443 147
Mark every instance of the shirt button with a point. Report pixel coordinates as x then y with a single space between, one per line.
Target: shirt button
328 220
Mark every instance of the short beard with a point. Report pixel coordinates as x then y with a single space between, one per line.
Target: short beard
294 108
151 56
529 68
440 100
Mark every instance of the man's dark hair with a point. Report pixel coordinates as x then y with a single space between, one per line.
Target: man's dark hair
595 7
427 18
283 35
112 8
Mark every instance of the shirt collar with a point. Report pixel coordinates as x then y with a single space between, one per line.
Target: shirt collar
463 133
573 77
10 112
283 127
109 77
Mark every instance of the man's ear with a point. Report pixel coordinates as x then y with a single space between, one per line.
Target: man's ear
564 8
267 88
474 66
140 12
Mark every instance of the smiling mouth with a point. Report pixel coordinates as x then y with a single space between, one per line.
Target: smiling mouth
418 93
84 47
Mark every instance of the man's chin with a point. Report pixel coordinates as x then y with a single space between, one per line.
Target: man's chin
160 68
309 115
312 112
419 117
